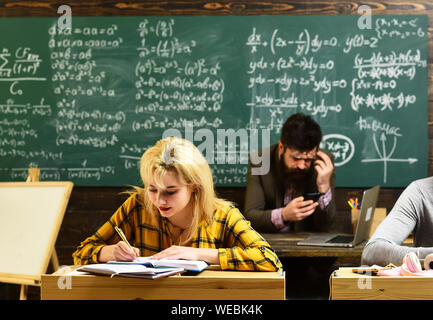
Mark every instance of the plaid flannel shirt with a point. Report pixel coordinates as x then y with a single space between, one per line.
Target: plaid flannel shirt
239 246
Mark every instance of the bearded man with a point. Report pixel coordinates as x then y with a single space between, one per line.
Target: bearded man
297 192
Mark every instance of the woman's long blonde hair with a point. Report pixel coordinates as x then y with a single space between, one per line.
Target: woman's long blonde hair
180 156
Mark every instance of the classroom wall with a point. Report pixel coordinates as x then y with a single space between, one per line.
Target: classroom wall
90 207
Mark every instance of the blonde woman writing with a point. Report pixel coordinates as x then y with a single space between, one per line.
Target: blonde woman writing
178 216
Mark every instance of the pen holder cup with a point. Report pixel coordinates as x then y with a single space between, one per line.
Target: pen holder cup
355 215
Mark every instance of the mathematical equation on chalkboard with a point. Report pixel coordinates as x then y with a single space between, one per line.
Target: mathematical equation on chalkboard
84 103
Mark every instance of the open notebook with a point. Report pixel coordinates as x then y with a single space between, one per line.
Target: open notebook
145 267
188 265
130 270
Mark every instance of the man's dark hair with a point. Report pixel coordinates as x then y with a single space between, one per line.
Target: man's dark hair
301 132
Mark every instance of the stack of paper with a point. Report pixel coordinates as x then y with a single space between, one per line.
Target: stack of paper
189 265
130 270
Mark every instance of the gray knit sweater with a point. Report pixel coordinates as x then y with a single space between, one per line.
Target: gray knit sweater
413 212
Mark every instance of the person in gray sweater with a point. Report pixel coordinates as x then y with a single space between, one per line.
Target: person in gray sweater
413 212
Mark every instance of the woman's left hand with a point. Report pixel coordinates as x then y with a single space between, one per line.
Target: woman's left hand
188 253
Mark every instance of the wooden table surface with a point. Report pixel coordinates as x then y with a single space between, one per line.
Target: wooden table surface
285 245
347 285
207 285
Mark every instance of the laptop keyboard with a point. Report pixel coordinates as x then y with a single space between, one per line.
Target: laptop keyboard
341 239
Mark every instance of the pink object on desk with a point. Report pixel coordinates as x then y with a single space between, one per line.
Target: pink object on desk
394 272
410 267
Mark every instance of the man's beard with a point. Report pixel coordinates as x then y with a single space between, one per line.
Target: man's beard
294 177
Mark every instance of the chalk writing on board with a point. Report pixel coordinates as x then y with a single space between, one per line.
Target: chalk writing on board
378 66
384 156
398 28
195 86
22 66
294 77
70 173
275 83
303 44
387 144
76 75
341 146
169 80
84 103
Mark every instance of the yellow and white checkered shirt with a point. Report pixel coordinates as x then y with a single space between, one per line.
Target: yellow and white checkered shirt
239 246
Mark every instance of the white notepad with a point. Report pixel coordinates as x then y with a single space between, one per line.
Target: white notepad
189 265
129 270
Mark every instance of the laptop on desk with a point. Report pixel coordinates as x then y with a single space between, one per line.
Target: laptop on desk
368 205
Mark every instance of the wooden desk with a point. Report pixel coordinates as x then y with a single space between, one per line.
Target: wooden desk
285 245
346 285
208 285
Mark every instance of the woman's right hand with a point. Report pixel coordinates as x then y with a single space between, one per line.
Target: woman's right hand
118 252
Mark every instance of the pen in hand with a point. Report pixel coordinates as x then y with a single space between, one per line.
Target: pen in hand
123 237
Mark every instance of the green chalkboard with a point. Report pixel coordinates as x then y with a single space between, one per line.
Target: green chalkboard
84 103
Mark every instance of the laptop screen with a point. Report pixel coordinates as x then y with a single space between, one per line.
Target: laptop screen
368 205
